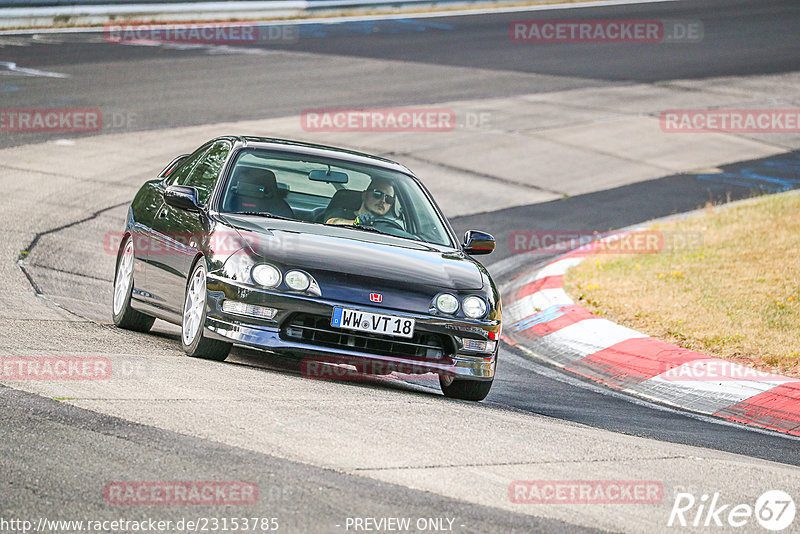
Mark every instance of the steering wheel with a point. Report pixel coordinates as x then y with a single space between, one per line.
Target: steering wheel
389 222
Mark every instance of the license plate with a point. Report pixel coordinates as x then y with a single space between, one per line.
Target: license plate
376 323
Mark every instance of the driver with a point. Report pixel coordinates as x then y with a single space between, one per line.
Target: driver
375 203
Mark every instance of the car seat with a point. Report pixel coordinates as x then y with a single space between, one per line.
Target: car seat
343 199
256 189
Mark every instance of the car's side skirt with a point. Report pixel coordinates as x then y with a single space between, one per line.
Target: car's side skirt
155 311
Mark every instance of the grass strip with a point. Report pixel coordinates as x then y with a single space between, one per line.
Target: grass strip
724 284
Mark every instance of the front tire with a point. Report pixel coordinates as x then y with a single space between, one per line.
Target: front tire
124 316
194 343
458 388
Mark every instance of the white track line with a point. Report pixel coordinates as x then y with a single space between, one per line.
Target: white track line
12 67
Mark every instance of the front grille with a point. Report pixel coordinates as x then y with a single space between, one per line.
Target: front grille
317 330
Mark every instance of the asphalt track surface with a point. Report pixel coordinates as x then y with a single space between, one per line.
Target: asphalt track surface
183 85
163 88
45 482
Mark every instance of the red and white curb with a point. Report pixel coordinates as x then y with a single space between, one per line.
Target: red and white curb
542 320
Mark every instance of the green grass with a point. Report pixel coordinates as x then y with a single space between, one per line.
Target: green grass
732 294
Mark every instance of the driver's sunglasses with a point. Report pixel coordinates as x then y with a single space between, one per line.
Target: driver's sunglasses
377 194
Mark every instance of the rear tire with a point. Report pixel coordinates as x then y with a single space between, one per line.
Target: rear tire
458 388
124 316
193 322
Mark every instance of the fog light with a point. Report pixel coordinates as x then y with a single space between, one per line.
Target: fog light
240 308
479 345
297 280
295 332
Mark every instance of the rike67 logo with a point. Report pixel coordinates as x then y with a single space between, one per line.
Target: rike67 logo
774 510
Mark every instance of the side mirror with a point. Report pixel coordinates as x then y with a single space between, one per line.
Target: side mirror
182 197
477 242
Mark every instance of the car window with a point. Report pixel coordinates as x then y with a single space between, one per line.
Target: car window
294 174
186 167
204 175
260 181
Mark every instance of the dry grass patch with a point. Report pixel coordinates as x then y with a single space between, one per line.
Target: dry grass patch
735 296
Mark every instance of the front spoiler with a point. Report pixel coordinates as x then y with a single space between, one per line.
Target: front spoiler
463 366
265 334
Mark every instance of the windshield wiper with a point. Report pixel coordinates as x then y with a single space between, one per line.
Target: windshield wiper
353 227
261 214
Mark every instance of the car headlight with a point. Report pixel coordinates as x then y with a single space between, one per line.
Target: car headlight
266 275
446 303
474 307
297 280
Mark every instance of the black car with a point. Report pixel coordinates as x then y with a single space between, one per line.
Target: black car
249 240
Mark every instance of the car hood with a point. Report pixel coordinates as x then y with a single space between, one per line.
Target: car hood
351 253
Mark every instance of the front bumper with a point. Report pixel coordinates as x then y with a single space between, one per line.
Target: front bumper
270 334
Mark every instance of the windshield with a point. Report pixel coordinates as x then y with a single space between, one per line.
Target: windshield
330 191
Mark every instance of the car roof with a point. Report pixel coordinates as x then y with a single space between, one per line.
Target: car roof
351 156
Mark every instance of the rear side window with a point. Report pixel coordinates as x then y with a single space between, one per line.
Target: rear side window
206 171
